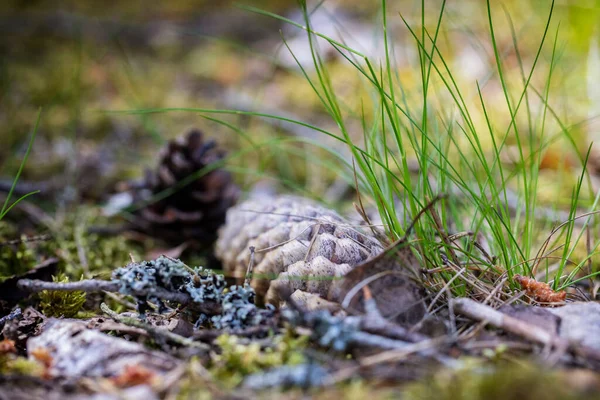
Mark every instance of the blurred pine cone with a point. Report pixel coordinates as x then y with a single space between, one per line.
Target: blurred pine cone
186 206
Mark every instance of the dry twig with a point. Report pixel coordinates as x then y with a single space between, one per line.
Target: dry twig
92 285
480 312
154 330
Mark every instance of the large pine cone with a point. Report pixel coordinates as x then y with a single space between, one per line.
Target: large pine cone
194 207
300 246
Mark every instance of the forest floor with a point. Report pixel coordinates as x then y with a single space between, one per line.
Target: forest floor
128 133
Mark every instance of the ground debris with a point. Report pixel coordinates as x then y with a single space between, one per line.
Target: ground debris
287 376
73 351
575 333
204 293
580 322
28 323
10 316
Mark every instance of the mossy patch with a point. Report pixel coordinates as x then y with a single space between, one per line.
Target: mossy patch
54 303
510 381
15 258
238 360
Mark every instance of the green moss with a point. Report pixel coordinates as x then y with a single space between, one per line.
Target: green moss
15 259
12 364
23 366
86 253
54 303
516 381
193 384
79 252
238 360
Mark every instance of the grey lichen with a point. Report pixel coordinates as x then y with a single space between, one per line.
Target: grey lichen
328 330
237 306
288 376
163 272
205 285
239 310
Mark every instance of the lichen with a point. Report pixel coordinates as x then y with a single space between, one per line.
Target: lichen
202 285
164 272
327 330
206 285
239 310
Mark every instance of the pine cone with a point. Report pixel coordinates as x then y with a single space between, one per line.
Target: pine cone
300 246
196 207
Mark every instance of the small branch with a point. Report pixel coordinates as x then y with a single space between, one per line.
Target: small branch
93 285
487 314
153 330
87 285
29 239
481 312
250 266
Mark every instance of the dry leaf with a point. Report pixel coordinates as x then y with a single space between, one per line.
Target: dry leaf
134 375
555 159
390 278
7 346
43 356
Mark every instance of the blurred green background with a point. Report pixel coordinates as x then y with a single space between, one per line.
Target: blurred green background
78 60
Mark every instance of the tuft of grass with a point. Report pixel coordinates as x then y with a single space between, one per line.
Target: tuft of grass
452 139
494 207
7 206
